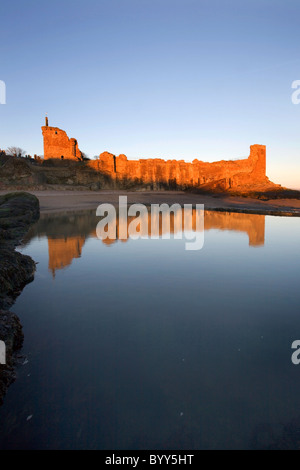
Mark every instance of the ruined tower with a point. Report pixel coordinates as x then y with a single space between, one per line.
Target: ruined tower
58 145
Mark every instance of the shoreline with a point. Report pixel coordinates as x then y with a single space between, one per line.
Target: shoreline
52 201
17 213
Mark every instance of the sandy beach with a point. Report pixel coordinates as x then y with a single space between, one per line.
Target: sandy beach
60 201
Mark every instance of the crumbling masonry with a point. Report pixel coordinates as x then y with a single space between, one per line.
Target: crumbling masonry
171 174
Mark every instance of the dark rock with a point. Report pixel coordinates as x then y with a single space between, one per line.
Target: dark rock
18 211
12 335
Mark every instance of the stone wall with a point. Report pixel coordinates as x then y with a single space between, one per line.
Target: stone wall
169 174
178 174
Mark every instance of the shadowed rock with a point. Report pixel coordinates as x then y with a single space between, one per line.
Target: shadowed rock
17 212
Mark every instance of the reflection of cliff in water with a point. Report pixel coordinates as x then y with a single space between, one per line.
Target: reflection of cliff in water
68 232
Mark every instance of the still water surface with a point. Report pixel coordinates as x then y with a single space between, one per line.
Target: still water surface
144 345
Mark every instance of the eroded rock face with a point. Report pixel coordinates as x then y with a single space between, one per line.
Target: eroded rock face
17 212
18 171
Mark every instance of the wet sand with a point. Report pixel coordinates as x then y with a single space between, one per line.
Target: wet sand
61 201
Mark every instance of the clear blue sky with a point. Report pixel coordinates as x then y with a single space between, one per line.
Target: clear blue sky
177 79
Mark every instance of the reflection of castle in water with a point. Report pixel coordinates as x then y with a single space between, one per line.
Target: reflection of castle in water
67 233
252 224
62 251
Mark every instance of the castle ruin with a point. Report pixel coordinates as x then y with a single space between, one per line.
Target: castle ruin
171 174
58 145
